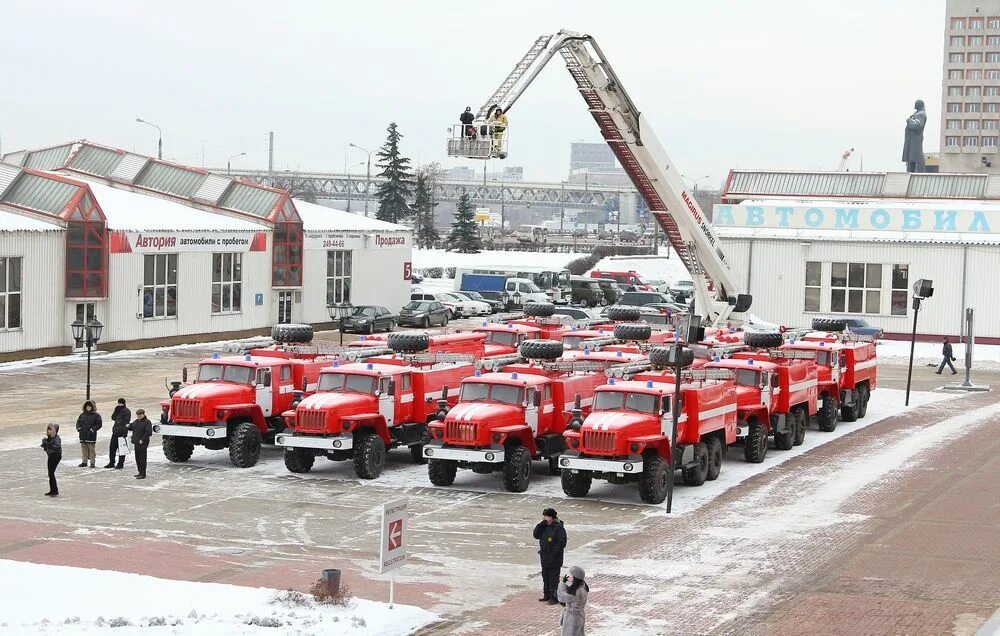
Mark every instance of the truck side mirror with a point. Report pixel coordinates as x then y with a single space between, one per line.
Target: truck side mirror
305 384
184 375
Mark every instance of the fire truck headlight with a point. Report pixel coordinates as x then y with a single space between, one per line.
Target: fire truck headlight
210 432
428 451
156 428
564 461
489 457
627 466
337 443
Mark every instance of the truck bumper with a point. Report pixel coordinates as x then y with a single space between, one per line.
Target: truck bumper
289 440
191 430
600 465
464 455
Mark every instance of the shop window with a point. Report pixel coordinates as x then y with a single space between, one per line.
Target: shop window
814 280
900 285
227 283
856 288
287 259
159 286
338 276
10 293
85 259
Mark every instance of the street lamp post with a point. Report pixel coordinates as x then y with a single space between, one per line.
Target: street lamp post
89 334
230 161
350 186
695 181
337 313
368 174
159 143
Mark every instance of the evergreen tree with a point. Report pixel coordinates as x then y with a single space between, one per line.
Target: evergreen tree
464 236
393 193
423 208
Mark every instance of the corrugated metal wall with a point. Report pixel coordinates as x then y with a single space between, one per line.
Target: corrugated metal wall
42 282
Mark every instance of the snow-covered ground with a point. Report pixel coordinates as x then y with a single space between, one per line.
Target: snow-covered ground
52 599
985 357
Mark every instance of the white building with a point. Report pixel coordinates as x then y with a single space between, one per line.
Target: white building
853 244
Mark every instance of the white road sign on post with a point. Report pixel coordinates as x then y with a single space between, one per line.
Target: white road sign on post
392 543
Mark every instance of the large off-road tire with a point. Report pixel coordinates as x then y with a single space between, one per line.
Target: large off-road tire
801 419
626 331
577 484
863 396
517 469
763 339
299 460
541 349
828 324
624 314
408 342
292 333
654 482
826 416
177 449
714 446
369 455
539 310
784 441
442 471
554 465
849 412
244 445
696 474
755 444
417 453
660 357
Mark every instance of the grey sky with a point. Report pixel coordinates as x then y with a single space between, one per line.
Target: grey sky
776 84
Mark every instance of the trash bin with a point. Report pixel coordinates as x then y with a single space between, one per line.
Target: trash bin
331 578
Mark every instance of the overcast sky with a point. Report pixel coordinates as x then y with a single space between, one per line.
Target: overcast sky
724 83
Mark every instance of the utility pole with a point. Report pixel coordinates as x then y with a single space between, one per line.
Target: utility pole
270 158
562 204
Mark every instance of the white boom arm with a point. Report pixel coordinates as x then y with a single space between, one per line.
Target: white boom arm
652 172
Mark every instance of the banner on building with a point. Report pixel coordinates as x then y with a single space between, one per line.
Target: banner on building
154 242
355 240
862 216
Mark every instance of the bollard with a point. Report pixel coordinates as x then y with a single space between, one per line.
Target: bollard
331 578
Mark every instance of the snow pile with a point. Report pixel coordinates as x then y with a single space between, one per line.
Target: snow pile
52 599
440 258
669 270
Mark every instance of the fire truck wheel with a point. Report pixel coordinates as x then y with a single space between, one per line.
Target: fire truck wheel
763 339
539 310
177 449
624 314
577 484
828 324
755 444
408 342
698 472
442 471
626 331
655 480
292 333
369 456
244 445
299 460
517 469
826 416
417 453
801 419
660 357
541 349
554 465
784 441
849 412
714 445
863 396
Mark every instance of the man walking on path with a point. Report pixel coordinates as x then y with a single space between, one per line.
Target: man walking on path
142 430
120 418
948 358
52 444
551 537
87 424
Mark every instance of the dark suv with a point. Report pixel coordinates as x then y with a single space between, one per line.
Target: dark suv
587 292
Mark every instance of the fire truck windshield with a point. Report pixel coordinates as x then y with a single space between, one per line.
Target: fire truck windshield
572 342
746 377
346 382
619 400
483 392
224 373
504 338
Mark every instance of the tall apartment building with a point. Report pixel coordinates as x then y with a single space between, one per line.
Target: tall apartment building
970 108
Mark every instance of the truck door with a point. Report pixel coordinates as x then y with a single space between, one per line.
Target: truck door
405 402
765 390
265 392
386 401
531 411
835 368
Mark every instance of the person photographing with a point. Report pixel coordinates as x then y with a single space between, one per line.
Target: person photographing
572 593
551 535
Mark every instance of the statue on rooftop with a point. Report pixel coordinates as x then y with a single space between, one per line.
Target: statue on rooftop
913 142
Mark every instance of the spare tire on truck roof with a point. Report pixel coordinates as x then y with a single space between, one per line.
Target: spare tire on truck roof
763 339
624 314
408 342
539 310
541 349
660 357
292 333
829 324
628 331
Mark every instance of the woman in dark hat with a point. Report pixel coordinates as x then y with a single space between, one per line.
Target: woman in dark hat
572 593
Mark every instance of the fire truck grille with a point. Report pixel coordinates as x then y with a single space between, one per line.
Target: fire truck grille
311 420
460 432
185 409
599 441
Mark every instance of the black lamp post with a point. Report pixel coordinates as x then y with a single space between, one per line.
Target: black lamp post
337 312
922 289
88 334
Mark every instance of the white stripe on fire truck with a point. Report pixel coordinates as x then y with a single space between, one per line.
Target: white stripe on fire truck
866 364
803 385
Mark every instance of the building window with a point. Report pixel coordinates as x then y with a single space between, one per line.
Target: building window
958 23
954 124
956 40
951 141
993 23
991 108
227 283
973 91
287 258
993 57
990 142
814 281
970 142
991 91
975 40
954 91
954 74
900 285
992 74
972 108
975 58
954 107
855 288
975 23
10 293
85 259
956 58
974 74
85 312
338 276
992 40
990 124
159 286
972 124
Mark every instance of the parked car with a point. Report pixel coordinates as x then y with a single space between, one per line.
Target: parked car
495 304
579 233
628 236
682 289
586 291
369 319
423 313
612 292
640 298
450 306
861 327
466 307
576 313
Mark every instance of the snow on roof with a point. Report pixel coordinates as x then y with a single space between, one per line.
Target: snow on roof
319 218
127 210
13 222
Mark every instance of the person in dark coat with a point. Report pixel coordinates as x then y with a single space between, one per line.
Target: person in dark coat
913 140
87 424
947 358
551 537
52 444
572 595
119 429
142 430
467 118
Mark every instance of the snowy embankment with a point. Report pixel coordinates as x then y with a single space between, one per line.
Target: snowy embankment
53 599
